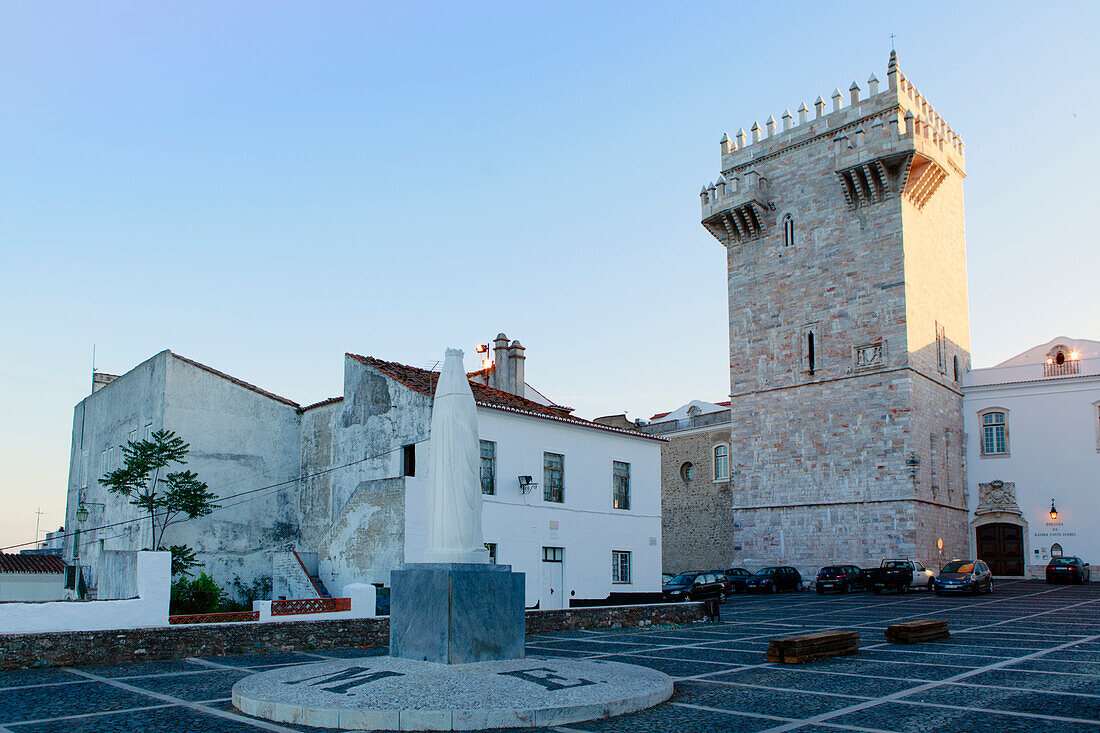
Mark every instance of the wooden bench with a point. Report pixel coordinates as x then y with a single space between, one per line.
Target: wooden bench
799 649
914 632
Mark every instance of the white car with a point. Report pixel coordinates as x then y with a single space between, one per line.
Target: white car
922 576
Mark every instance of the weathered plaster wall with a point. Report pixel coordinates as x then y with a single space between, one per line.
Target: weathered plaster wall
360 537
241 441
128 407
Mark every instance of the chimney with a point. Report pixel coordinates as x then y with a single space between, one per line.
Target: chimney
515 369
500 362
101 380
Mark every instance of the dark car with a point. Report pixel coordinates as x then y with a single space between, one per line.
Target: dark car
1068 570
694 587
727 584
665 577
964 576
774 579
842 578
737 578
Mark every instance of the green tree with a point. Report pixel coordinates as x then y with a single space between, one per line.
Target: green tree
168 497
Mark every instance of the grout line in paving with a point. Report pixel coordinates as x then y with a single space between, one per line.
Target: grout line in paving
919 688
762 716
78 716
186 703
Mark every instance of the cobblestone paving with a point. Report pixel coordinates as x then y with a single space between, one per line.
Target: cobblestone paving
1026 658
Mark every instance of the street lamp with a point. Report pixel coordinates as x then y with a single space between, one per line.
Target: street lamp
82 506
1053 511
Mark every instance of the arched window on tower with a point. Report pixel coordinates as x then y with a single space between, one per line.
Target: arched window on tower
811 355
788 230
956 368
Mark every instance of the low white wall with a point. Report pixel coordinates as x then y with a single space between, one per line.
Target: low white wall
150 608
362 597
32 587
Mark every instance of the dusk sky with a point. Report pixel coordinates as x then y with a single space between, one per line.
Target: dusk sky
263 187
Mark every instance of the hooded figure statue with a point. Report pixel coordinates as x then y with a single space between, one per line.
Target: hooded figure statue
454 485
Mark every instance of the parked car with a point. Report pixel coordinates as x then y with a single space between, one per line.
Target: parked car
727 584
1068 570
964 576
694 587
774 579
898 574
841 578
665 577
737 578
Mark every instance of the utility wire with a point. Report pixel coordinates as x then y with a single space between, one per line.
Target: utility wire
280 484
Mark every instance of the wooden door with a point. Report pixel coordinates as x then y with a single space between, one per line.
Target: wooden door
1001 546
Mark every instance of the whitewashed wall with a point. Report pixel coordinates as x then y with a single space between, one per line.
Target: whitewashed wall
150 608
588 528
1054 452
31 587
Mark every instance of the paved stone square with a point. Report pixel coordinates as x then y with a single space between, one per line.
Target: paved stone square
1026 658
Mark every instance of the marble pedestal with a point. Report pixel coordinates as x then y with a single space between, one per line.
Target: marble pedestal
456 613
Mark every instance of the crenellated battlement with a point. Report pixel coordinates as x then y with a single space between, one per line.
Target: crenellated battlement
889 143
899 94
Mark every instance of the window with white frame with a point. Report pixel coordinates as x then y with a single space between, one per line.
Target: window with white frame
553 477
620 485
994 432
721 462
488 467
620 566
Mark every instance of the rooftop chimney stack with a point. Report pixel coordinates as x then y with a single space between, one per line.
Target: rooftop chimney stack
506 373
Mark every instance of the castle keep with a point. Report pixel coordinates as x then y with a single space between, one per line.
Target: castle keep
849 329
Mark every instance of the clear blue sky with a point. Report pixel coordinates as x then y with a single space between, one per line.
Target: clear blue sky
264 186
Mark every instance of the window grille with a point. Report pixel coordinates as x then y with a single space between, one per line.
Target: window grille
620 566
553 475
620 485
488 467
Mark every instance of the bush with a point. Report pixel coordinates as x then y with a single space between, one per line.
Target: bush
201 595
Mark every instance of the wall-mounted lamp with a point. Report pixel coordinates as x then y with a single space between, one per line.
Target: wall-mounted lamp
526 485
82 506
1053 511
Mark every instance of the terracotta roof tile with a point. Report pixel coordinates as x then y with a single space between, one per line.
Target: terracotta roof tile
423 381
31 563
322 403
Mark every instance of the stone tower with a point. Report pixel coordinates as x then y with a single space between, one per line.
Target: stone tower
849 330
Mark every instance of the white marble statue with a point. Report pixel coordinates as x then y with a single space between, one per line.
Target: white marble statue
454 485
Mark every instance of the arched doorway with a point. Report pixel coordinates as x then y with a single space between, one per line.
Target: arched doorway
1000 530
1001 546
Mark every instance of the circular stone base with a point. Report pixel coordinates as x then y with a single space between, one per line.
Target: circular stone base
384 693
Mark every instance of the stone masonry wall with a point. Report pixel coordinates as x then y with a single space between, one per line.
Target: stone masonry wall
21 651
696 521
836 464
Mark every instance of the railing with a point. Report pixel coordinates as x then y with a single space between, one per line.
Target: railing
1054 369
695 421
215 618
310 605
306 571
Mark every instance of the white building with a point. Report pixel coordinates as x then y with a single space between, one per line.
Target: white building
1033 456
31 577
573 504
